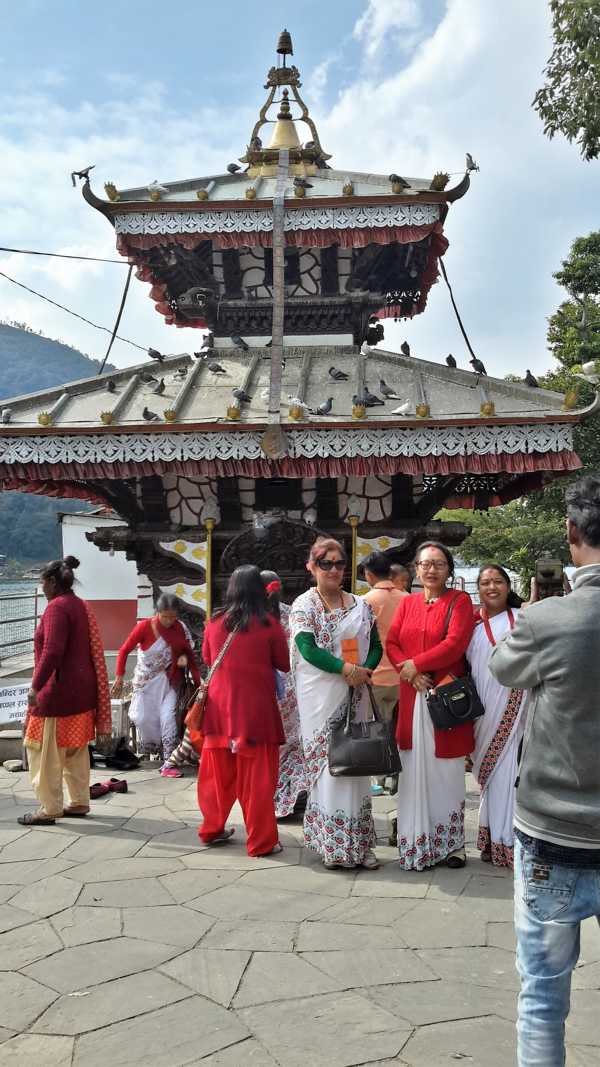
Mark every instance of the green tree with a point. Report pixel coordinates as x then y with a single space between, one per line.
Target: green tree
569 101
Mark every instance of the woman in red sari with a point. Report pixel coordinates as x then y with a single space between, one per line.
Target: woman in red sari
431 792
242 724
69 701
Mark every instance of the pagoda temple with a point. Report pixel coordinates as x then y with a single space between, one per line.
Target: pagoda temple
292 418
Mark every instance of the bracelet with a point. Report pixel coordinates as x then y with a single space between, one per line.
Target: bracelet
352 672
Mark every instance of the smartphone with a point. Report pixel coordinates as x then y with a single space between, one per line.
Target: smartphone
549 578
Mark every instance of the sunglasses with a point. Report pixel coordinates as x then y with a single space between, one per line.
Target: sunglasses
329 564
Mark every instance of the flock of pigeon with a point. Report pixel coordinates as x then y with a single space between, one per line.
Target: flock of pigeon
366 398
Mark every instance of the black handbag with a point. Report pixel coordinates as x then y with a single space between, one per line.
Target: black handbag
456 702
358 749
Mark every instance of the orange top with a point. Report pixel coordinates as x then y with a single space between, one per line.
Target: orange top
384 599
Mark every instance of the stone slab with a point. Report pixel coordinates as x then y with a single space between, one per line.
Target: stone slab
586 976
214 973
22 1000
419 1005
26 944
7 835
28 1049
76 969
370 911
260 904
501 935
490 898
170 925
25 872
128 893
491 1041
110 846
581 1056
182 1033
590 941
333 883
122 869
372 965
187 885
125 998
82 926
390 881
334 1030
481 966
273 976
151 822
11 917
249 1053
251 936
326 936
48 896
35 845
438 924
232 858
582 1024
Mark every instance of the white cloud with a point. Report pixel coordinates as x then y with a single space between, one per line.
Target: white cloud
398 19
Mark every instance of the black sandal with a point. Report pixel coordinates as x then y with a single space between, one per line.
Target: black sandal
35 818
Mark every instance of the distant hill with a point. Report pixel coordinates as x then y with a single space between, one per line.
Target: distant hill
30 362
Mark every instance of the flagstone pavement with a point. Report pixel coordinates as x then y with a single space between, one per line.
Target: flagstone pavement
124 941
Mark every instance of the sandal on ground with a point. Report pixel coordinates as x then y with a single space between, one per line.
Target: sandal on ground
370 861
393 838
171 772
77 811
456 860
272 851
99 789
221 838
330 865
485 856
117 785
35 818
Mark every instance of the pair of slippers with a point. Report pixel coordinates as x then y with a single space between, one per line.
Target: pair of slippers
113 785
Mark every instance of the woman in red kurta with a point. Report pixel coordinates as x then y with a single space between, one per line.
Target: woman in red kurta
69 702
242 724
431 792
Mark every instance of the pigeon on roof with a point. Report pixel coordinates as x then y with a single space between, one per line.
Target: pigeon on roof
150 416
450 360
337 375
477 366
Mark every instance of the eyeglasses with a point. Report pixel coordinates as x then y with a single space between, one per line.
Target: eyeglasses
428 564
329 564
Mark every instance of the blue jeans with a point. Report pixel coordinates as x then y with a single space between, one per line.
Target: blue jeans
550 903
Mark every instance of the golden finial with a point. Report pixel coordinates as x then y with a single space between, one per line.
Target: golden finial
45 418
439 181
422 411
202 194
234 413
106 417
295 412
348 188
488 409
111 191
570 399
170 415
250 193
359 411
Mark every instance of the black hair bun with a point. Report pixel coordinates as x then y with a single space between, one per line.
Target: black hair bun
71 562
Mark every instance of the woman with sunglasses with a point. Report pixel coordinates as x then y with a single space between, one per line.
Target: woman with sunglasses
426 643
335 646
498 734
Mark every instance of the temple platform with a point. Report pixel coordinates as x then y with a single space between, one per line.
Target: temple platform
125 941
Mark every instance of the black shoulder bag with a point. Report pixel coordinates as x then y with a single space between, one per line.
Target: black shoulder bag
359 749
456 702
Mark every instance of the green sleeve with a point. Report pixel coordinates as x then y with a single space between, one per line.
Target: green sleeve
375 650
318 657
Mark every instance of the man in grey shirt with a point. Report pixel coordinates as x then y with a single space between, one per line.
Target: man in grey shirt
554 651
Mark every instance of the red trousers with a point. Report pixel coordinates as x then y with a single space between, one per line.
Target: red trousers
251 778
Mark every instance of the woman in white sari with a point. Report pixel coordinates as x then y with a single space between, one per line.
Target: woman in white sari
335 645
498 734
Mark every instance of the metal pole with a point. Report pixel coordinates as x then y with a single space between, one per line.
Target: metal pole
210 525
353 521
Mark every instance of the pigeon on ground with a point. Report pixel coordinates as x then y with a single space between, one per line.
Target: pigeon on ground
242 396
147 378
477 365
386 391
160 388
240 343
83 174
324 408
110 386
337 375
470 163
405 348
371 400
403 409
216 368
365 349
450 361
530 380
150 416
232 168
301 183
155 354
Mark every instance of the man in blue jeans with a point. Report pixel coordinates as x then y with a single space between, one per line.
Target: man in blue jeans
554 651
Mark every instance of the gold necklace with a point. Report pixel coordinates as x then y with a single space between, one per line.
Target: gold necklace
326 602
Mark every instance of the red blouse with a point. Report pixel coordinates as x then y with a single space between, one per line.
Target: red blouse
416 633
143 636
241 704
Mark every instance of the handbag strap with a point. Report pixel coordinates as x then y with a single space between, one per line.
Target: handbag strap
350 710
449 616
220 657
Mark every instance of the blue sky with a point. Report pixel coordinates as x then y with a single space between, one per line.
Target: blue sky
146 91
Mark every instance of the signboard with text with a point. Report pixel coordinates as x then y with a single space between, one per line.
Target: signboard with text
13 705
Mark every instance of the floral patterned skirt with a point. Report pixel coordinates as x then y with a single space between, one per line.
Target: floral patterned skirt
431 799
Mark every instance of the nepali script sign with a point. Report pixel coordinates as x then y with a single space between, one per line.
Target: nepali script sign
13 705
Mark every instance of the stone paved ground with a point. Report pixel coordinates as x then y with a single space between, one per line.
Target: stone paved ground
123 941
